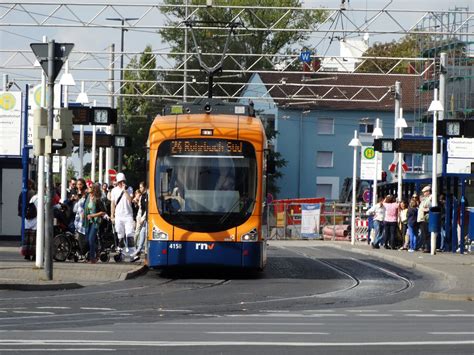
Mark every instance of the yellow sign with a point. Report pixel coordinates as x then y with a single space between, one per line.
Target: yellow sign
369 153
7 101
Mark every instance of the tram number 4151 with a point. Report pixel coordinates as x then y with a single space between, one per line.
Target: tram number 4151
176 246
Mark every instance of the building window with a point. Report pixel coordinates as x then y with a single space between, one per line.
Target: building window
367 128
324 159
324 190
413 131
325 126
414 162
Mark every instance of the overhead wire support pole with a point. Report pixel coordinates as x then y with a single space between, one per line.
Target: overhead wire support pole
48 216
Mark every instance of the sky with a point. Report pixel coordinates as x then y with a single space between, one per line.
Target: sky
19 37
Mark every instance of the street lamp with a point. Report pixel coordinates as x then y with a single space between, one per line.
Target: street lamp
120 118
355 142
377 133
436 107
83 99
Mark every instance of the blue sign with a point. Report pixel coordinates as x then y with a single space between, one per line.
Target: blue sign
305 56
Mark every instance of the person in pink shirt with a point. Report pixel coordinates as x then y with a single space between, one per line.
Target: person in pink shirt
390 223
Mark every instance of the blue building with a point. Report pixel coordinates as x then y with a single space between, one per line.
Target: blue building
313 136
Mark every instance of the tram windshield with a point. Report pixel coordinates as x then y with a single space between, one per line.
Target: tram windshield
206 184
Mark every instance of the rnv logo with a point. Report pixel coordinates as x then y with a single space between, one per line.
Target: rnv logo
204 246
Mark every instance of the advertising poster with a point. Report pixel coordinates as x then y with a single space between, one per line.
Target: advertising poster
310 217
10 123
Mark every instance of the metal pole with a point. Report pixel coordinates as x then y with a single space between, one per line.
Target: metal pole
185 87
354 178
81 143
25 161
101 164
442 83
48 216
398 134
300 138
109 152
434 176
376 173
120 118
40 208
93 153
5 82
64 158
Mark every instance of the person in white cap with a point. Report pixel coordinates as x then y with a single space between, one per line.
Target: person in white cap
121 209
423 215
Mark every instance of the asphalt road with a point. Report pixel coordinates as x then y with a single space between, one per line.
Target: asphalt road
307 300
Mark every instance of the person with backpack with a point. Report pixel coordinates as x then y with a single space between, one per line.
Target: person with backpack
122 212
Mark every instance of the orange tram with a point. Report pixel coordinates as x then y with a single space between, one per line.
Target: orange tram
206 174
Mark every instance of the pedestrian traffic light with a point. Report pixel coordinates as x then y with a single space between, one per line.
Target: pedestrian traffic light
65 132
40 121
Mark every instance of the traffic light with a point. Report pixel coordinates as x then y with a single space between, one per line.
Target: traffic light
40 130
64 133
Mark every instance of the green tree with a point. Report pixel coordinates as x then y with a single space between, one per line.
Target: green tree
141 77
245 41
406 47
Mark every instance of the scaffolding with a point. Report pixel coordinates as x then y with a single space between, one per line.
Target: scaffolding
458 44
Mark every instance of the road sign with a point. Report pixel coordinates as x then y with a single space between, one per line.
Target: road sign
61 52
366 196
112 174
367 164
305 56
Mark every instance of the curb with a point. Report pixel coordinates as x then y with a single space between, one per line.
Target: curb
40 287
451 280
134 273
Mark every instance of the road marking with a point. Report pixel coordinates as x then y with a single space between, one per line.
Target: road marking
55 331
32 312
52 307
72 349
375 315
173 310
141 343
361 310
446 310
272 333
97 309
439 315
240 323
405 310
451 333
274 311
287 315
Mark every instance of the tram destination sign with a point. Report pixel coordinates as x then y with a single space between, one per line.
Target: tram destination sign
421 146
206 147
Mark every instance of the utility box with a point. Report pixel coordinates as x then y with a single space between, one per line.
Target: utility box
40 130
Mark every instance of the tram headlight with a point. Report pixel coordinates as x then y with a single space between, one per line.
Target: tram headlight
251 236
158 234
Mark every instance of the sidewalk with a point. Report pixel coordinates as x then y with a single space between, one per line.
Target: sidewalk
457 270
20 274
16 273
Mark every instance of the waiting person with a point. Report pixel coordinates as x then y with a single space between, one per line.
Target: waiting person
423 218
403 224
94 210
378 211
28 249
412 225
121 211
142 225
31 191
390 221
444 242
72 188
